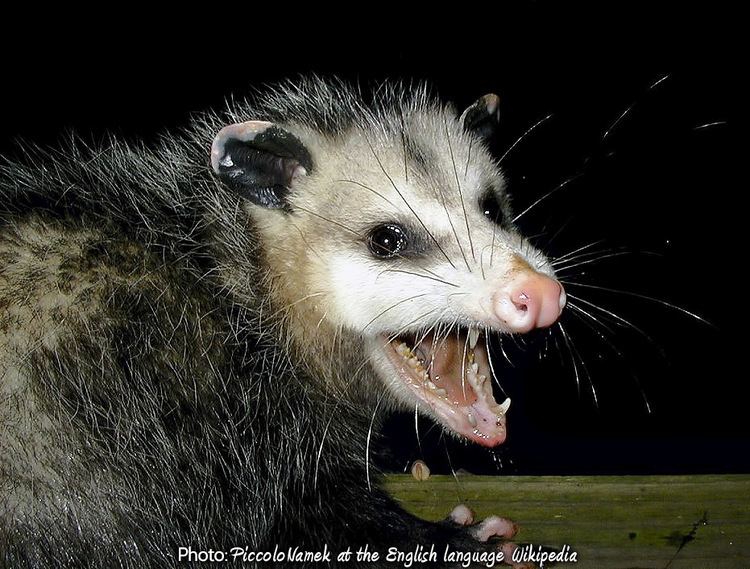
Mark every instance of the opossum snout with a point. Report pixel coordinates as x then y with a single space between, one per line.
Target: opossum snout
531 300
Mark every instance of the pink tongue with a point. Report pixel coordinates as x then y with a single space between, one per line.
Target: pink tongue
446 362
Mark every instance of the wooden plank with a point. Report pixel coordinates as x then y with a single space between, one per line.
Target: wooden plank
612 522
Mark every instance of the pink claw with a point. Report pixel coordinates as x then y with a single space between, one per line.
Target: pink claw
495 526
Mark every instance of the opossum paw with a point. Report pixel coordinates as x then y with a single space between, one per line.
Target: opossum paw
493 526
489 528
462 515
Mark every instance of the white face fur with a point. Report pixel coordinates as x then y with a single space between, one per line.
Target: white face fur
405 242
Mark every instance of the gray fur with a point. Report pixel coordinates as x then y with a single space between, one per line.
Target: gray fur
149 397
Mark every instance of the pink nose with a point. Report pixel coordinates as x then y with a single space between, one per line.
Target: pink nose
532 300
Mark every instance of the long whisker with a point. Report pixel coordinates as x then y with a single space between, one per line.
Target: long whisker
492 250
495 378
304 239
709 125
619 354
442 337
418 275
414 261
559 231
572 359
453 227
463 362
560 186
594 393
407 325
502 350
338 329
617 121
369 437
481 261
594 260
453 471
659 81
361 185
585 255
425 269
524 135
382 168
584 247
458 185
349 229
398 333
573 353
453 230
416 427
426 333
322 442
630 108
602 252
617 318
577 311
642 296
392 306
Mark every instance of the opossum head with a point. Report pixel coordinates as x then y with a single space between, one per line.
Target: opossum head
390 241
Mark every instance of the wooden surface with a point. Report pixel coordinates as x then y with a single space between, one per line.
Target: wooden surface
617 522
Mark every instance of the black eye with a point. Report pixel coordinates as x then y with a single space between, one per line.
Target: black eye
490 207
386 241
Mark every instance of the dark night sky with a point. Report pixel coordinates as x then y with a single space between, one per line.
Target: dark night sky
657 186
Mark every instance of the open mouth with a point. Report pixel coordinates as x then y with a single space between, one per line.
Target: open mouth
451 375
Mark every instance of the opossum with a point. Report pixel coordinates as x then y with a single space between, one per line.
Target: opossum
199 338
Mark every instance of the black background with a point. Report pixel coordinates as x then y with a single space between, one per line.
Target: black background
657 186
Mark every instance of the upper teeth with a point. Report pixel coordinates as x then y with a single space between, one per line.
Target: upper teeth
473 337
418 366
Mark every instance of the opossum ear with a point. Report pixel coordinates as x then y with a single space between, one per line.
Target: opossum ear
482 117
260 161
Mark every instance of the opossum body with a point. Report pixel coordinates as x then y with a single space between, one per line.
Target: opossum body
197 340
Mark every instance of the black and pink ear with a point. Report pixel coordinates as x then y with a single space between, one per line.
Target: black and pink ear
483 116
260 161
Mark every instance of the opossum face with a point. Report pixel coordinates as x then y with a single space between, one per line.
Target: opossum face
397 235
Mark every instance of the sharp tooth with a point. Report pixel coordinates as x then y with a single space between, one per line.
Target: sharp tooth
475 368
430 385
473 337
441 392
505 405
472 420
481 379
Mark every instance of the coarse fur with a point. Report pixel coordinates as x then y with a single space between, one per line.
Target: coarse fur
181 368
